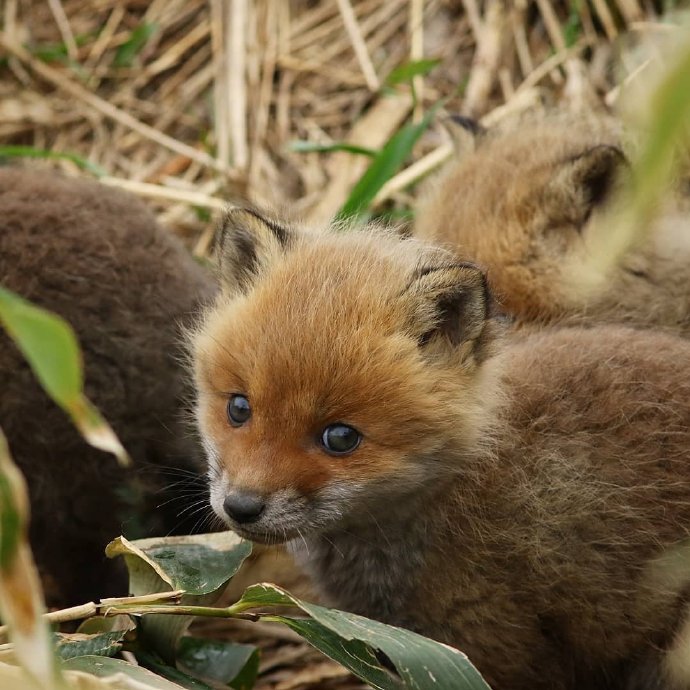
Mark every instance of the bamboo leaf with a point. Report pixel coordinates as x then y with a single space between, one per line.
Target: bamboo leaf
199 565
229 663
384 656
50 346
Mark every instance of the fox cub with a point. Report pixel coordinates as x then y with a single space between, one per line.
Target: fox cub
518 500
524 202
97 257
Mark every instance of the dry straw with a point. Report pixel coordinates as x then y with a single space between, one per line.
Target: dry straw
192 102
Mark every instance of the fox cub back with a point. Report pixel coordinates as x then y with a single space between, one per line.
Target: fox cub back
97 257
526 501
526 202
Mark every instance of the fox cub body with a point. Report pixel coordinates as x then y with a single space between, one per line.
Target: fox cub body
519 501
97 257
526 203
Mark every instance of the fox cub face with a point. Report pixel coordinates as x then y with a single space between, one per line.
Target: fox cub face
525 202
326 370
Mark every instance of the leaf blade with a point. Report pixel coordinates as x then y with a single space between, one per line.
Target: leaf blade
50 347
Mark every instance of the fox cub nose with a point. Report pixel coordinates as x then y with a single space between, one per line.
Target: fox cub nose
244 506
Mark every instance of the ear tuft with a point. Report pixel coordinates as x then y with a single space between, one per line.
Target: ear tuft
451 300
465 133
247 239
595 172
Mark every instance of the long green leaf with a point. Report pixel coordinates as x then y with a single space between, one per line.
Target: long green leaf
385 165
384 656
666 123
31 152
50 346
313 147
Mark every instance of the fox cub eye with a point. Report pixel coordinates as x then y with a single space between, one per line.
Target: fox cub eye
339 439
239 410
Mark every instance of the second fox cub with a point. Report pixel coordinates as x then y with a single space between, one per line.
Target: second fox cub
525 502
523 203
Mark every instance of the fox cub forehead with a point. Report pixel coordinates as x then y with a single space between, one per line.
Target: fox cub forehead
304 316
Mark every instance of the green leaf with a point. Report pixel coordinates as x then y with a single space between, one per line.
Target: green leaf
103 666
664 116
229 663
97 625
384 656
407 71
385 165
49 345
124 57
47 342
155 664
200 565
314 147
77 644
30 152
572 27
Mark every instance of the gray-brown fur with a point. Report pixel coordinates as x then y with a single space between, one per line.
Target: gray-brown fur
534 560
528 202
97 257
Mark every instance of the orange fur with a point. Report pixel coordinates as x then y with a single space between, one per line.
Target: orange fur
527 201
513 499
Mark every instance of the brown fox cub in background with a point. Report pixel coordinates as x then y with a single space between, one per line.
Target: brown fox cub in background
518 501
97 257
528 200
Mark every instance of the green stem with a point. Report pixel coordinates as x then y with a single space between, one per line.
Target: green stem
178 610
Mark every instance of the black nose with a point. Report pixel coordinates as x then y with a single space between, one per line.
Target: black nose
243 506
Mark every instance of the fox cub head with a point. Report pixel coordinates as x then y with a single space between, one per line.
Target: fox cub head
523 203
336 372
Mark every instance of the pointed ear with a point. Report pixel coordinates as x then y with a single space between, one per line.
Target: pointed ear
246 242
592 175
451 301
465 133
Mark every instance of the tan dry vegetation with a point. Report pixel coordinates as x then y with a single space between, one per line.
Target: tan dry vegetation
209 103
207 106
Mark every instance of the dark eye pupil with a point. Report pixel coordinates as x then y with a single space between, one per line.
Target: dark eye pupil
239 410
340 438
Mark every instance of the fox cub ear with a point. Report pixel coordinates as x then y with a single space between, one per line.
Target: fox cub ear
451 300
592 175
246 242
465 133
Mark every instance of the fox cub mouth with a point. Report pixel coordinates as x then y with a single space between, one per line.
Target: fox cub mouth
283 516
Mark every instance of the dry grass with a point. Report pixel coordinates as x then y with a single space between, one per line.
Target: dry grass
190 103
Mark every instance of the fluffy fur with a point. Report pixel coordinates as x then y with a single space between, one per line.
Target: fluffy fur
527 202
526 502
97 257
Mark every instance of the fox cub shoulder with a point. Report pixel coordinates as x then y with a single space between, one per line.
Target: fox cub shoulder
525 202
514 500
